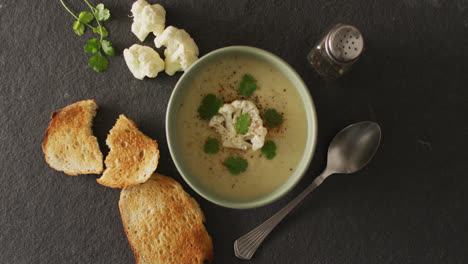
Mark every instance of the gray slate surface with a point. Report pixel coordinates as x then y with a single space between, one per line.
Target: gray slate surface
408 206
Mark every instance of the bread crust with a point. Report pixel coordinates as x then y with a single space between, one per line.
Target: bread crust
164 224
69 144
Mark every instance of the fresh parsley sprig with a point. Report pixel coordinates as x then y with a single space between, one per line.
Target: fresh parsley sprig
98 61
235 165
211 146
243 124
269 149
247 85
209 107
273 118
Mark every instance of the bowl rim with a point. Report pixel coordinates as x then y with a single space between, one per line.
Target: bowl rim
311 140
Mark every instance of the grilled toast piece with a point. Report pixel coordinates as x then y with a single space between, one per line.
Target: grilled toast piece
133 156
69 144
164 224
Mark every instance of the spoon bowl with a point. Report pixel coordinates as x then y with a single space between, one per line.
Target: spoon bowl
353 147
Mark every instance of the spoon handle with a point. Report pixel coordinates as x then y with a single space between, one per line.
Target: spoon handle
245 247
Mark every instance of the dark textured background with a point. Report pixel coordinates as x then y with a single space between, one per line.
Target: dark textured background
408 206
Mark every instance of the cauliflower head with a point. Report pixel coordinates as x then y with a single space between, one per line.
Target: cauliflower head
224 123
143 61
147 18
181 51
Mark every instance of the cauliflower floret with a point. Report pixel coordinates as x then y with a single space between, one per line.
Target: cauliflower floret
224 123
181 49
143 61
147 18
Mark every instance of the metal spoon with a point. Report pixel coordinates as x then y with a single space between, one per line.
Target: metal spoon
350 150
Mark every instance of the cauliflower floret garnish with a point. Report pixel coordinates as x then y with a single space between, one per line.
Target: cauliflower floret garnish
147 18
224 123
143 61
181 51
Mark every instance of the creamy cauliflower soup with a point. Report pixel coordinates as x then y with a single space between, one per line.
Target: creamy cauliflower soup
241 128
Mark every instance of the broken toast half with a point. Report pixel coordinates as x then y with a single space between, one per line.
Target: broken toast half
69 144
133 156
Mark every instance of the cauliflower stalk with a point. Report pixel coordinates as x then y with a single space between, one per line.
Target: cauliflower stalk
181 51
143 61
224 123
147 18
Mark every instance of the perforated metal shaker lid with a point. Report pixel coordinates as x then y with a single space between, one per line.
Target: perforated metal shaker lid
345 43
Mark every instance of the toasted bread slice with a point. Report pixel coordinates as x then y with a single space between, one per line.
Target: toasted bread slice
164 224
69 144
133 156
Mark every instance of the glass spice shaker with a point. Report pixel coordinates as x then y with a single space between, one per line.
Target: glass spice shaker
337 51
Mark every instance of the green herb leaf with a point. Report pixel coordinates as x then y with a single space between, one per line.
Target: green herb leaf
209 107
242 124
98 62
107 47
92 46
101 31
273 118
236 165
247 85
269 149
211 146
102 13
85 17
78 28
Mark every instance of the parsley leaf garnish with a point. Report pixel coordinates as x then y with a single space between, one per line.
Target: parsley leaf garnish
101 14
236 165
269 149
85 17
242 124
78 28
209 107
211 146
92 46
273 118
107 47
101 31
247 85
98 62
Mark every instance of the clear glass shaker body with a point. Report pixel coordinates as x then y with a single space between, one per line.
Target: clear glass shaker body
336 52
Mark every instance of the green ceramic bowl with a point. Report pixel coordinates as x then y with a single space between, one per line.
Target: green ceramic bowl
176 98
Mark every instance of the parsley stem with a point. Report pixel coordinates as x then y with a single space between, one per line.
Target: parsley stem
69 11
94 14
